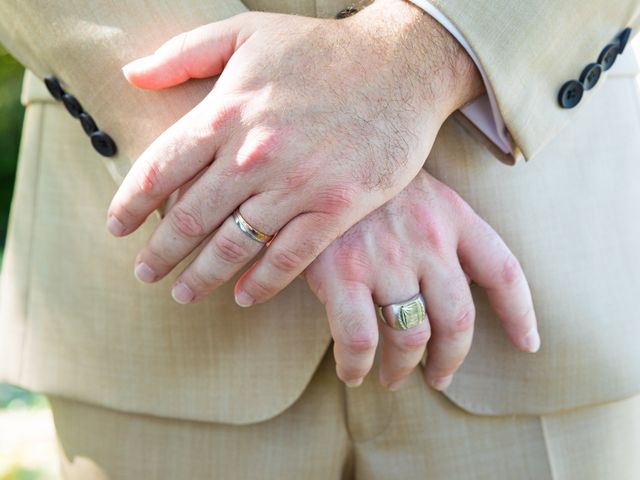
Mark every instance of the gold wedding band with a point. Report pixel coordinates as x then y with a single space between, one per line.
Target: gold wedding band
250 231
404 315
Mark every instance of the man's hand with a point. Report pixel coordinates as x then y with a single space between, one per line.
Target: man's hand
311 126
426 239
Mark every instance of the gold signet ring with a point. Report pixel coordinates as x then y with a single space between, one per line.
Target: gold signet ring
404 315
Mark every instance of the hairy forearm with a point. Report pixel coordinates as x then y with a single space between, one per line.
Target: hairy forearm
423 55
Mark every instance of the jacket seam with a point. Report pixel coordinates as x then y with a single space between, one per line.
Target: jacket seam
545 439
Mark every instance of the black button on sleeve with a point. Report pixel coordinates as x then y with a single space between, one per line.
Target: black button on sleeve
72 104
590 75
570 94
103 144
623 38
88 124
347 12
608 56
53 85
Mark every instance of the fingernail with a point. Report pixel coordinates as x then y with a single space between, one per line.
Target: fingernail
114 226
243 299
144 273
532 340
354 383
181 293
397 385
442 382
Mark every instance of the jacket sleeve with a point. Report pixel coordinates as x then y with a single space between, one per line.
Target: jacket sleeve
84 46
531 51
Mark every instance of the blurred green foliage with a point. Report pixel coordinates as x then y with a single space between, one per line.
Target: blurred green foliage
13 397
20 473
11 113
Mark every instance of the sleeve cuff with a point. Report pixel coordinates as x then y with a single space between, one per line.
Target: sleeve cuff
482 112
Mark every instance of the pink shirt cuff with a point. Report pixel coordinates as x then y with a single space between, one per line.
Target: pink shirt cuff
482 112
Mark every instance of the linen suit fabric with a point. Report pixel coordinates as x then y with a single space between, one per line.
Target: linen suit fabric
365 433
76 325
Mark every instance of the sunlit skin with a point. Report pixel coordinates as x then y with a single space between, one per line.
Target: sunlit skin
426 239
307 138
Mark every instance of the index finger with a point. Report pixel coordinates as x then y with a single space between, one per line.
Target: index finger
173 159
489 262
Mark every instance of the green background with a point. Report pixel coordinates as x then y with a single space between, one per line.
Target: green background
11 113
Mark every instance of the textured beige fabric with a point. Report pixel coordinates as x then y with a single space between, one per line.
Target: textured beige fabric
78 325
85 43
570 216
365 433
529 49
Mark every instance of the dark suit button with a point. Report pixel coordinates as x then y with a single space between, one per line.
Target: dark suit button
103 144
88 125
590 75
570 94
347 12
623 38
53 85
608 55
72 104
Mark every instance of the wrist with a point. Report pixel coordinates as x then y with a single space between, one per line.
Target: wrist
438 69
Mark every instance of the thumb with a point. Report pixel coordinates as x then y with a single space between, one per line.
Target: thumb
199 53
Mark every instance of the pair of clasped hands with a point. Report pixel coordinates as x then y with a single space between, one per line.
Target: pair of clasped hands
318 130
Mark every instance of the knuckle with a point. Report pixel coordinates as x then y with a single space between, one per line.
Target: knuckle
222 115
228 249
260 147
258 289
286 260
356 337
187 222
199 281
157 259
356 267
432 230
414 340
149 179
434 235
360 344
337 198
394 252
461 321
174 45
511 272
454 200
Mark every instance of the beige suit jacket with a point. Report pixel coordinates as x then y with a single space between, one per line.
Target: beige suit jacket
74 322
